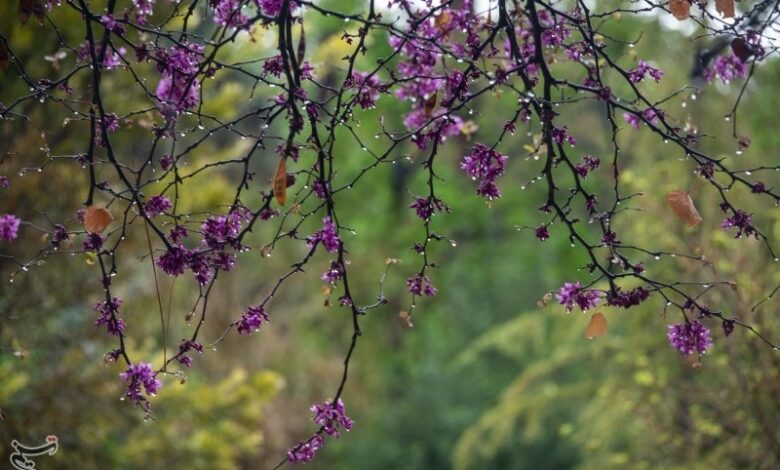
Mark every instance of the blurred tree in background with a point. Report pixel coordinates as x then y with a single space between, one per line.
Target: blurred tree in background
491 375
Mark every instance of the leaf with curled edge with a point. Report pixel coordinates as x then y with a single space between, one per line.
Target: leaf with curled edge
597 326
97 219
682 205
725 8
681 9
280 182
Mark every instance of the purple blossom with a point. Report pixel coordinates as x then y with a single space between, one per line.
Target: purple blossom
609 238
228 13
59 235
144 8
420 285
485 164
177 95
542 232
185 346
334 273
627 299
572 293
319 189
166 162
426 207
728 327
9 227
179 88
274 7
707 170
93 242
174 261
559 135
727 68
251 320
224 261
741 220
4 182
221 230
332 417
108 316
305 451
274 66
112 24
369 88
632 120
690 337
157 205
201 267
328 236
178 233
140 375
111 59
588 164
642 69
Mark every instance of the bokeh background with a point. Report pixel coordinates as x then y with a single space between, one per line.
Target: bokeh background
487 378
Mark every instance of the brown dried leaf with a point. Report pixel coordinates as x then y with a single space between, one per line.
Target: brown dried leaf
597 326
31 7
725 8
682 205
545 300
681 9
280 182
302 46
443 20
5 57
741 49
430 104
25 10
693 361
406 318
96 219
39 10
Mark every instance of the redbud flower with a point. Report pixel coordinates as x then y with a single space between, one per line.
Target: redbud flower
9 227
140 375
573 293
251 320
690 337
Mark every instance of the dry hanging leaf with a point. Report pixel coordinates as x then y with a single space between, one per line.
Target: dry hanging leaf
31 7
725 8
406 318
96 219
5 57
302 46
280 182
741 49
443 20
681 9
597 326
430 103
694 361
682 205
